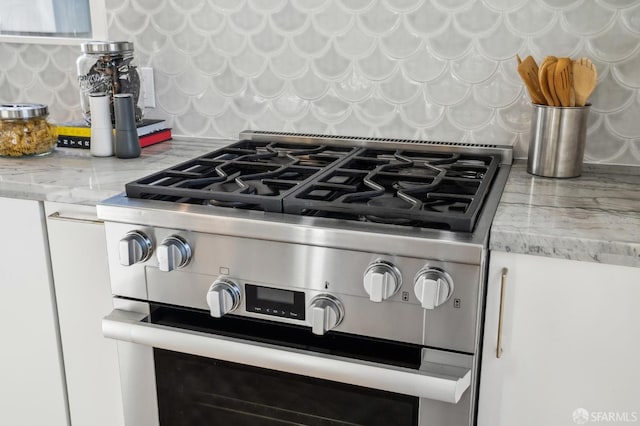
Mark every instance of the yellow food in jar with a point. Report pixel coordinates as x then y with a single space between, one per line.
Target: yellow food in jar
32 136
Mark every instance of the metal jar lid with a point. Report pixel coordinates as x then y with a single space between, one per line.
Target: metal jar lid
23 111
106 46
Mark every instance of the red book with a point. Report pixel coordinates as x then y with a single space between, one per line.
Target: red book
155 137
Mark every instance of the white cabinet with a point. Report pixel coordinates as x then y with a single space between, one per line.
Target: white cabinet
83 294
32 389
570 340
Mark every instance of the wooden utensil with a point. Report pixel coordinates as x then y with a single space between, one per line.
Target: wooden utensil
563 81
528 70
573 94
552 85
543 79
585 78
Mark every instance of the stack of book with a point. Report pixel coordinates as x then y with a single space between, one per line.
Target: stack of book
77 134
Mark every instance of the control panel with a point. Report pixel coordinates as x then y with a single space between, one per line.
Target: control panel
322 288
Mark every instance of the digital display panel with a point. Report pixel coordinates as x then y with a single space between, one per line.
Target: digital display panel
275 295
275 302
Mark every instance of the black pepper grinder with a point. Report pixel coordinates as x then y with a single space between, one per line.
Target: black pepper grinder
127 142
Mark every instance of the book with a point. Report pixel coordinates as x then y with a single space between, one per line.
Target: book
81 128
84 142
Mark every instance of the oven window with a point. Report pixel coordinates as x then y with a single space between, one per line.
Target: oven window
195 391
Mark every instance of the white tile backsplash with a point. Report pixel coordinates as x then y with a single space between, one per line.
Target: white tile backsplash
427 69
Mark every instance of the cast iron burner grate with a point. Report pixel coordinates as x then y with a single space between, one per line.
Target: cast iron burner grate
247 174
403 187
434 189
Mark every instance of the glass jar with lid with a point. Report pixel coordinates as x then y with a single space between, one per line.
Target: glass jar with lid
25 130
109 67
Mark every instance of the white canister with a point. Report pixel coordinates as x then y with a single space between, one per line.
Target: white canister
101 128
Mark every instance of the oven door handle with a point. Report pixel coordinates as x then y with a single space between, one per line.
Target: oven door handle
435 380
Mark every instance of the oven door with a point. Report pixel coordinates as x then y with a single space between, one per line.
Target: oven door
182 367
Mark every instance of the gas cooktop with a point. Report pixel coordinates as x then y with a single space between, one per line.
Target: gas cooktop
413 183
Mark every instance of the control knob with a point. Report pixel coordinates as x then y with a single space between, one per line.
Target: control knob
382 280
223 297
135 247
325 312
173 253
433 287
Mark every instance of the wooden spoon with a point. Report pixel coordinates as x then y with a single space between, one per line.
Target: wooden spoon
543 78
528 70
585 78
563 81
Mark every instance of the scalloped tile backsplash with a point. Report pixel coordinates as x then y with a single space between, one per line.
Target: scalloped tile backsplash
425 69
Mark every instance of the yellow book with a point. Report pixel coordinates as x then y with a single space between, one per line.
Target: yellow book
75 129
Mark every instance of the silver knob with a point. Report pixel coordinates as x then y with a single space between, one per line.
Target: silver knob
382 280
223 297
433 287
135 247
173 253
325 313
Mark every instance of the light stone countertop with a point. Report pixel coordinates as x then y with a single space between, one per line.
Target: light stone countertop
594 217
72 175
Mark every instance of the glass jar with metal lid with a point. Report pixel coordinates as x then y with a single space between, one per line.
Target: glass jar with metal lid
109 67
25 130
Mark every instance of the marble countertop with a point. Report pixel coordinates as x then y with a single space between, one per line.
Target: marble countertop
72 175
595 217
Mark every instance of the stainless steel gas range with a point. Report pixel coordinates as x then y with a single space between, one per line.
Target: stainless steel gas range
304 279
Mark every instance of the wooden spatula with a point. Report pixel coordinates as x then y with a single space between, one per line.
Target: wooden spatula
528 70
563 81
585 78
543 78
552 83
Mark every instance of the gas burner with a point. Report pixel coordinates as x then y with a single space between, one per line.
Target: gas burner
385 220
445 205
469 174
389 202
233 204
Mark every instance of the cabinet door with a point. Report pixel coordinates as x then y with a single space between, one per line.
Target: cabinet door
32 390
83 294
570 340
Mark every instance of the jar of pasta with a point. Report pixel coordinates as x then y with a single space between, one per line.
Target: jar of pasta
25 130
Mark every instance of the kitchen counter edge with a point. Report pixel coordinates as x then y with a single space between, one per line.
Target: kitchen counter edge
72 175
592 218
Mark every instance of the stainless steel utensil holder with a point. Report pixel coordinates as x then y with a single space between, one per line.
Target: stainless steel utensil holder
556 145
